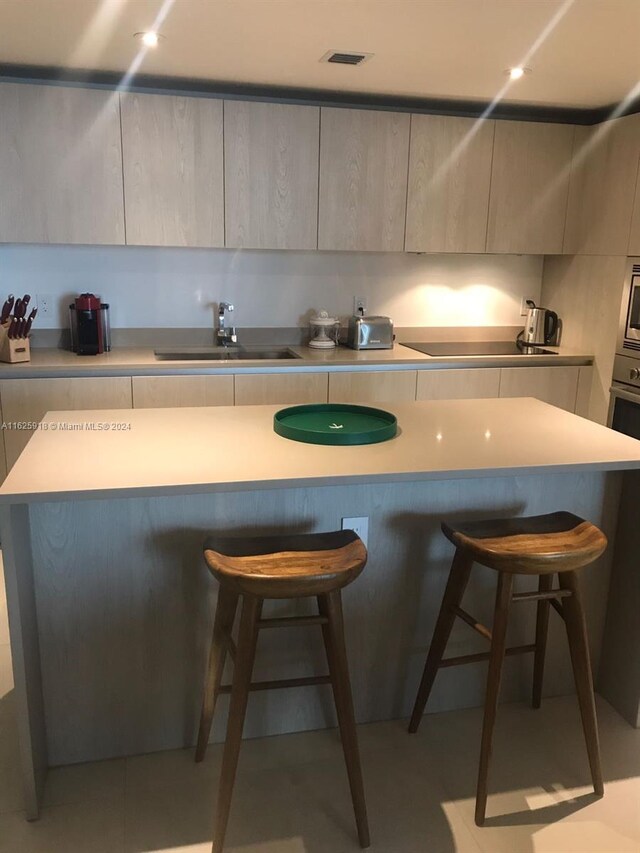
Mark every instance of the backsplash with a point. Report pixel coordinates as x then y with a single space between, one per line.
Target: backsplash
160 288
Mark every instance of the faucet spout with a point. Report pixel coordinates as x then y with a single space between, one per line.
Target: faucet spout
225 335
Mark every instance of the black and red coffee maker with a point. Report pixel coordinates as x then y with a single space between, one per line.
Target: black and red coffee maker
90 328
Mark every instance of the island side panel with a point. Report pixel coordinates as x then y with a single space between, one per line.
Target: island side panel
126 607
25 652
619 675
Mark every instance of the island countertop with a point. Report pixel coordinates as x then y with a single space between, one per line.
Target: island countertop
154 452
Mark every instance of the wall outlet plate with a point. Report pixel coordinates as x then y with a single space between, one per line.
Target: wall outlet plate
44 301
359 525
523 306
359 305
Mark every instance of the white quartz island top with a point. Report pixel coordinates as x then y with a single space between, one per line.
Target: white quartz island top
127 453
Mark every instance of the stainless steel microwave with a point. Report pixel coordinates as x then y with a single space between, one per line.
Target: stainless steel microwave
629 335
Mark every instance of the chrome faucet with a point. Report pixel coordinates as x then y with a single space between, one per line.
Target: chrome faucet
224 335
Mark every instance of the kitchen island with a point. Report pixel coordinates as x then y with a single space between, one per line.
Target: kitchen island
110 606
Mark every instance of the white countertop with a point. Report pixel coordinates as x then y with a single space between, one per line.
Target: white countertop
141 361
197 450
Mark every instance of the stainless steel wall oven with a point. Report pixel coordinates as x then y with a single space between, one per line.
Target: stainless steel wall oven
624 406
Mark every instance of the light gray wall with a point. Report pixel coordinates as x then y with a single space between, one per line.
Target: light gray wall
152 287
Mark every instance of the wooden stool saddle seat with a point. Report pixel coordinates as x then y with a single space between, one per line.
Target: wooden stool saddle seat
559 541
287 566
296 566
542 545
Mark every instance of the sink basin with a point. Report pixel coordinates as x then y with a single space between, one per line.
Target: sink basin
225 354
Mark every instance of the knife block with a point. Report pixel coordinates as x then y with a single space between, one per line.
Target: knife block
13 350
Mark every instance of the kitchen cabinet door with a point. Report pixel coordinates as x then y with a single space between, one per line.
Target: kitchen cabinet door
529 187
254 389
60 165
372 387
363 179
271 175
555 385
28 400
173 170
458 384
449 181
150 392
602 189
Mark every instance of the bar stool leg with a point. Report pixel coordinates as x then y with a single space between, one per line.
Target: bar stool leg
330 605
456 585
545 584
498 644
247 640
222 625
580 659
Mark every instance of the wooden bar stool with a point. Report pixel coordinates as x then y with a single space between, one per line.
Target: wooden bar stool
542 545
279 567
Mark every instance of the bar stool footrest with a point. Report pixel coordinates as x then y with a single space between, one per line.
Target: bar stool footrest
287 682
481 656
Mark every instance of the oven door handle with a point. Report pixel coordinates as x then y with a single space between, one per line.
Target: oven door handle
625 394
618 392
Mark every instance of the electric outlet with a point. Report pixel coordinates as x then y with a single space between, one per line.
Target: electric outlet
523 306
359 305
44 302
359 525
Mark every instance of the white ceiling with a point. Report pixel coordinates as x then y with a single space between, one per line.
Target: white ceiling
583 53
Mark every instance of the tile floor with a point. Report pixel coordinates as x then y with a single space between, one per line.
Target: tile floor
292 796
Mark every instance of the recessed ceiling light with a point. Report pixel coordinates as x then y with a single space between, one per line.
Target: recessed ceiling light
517 72
149 38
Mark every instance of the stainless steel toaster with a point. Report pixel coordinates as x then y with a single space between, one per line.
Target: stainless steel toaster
370 333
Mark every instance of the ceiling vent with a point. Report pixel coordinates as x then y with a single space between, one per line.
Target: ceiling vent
345 57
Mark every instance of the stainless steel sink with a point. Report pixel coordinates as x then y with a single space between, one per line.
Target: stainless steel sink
238 353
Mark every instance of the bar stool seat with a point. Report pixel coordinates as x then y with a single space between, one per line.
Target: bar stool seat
559 541
252 569
542 545
287 566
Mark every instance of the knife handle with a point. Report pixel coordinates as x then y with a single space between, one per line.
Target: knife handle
29 322
6 308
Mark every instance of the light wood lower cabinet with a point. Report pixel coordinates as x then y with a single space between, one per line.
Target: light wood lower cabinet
150 392
458 384
256 389
28 400
390 386
555 385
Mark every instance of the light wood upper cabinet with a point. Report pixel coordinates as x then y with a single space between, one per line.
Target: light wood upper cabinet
457 384
555 385
449 180
257 389
363 179
60 165
634 235
271 175
529 187
161 392
30 399
173 170
602 189
372 387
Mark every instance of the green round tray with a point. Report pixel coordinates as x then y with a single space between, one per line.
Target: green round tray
335 423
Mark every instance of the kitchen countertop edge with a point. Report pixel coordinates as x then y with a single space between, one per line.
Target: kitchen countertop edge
53 363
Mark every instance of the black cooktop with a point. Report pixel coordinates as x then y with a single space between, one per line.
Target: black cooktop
476 348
